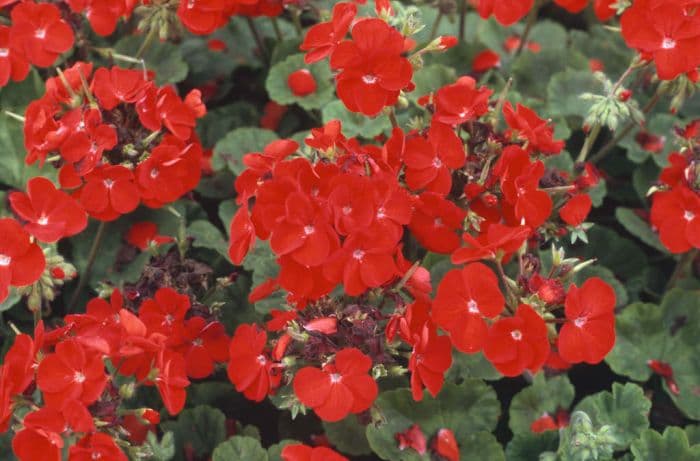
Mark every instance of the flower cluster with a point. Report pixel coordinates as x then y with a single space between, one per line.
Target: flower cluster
85 369
203 17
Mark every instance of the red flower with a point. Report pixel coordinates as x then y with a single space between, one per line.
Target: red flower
109 192
39 30
41 437
436 222
575 211
13 63
299 452
202 17
321 39
517 343
497 242
666 30
507 12
340 388
250 369
21 261
531 128
165 312
172 380
413 438
115 85
604 10
676 214
96 446
430 359
445 445
460 102
363 262
486 60
572 6
301 82
71 373
144 234
101 14
464 297
87 140
370 77
304 233
430 162
202 345
51 214
242 236
589 333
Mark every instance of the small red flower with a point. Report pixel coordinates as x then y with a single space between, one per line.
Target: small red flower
41 437
487 59
460 102
430 162
413 438
589 333
172 380
71 373
51 214
507 12
13 63
165 312
109 192
250 368
531 128
497 242
430 359
340 388
436 223
445 445
202 344
21 261
321 39
96 446
575 211
517 343
144 234
464 297
39 30
301 82
676 215
299 452
370 77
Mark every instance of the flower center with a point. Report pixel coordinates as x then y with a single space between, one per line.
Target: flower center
688 215
154 173
261 359
517 335
169 319
308 230
581 321
78 377
437 163
668 43
369 79
4 52
472 307
437 222
197 342
381 213
40 34
347 210
43 220
96 455
358 254
336 378
5 260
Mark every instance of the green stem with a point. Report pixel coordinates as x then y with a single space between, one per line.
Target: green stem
258 38
588 143
436 24
276 27
88 267
531 20
684 263
462 20
146 43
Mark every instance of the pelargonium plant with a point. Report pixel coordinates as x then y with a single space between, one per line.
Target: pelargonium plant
299 230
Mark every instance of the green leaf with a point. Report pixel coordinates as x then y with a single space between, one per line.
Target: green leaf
625 409
9 302
526 446
279 91
543 396
549 34
465 409
164 58
14 172
239 448
466 366
219 121
672 445
564 91
480 445
660 125
202 427
163 450
639 228
348 436
430 78
274 452
229 151
622 256
206 235
262 262
356 124
532 72
693 434
599 42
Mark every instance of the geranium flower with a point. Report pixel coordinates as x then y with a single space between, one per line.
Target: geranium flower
340 388
321 39
250 368
300 452
21 261
165 312
676 214
461 101
41 32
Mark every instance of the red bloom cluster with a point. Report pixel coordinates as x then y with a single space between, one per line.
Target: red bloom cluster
675 210
161 346
665 31
203 17
508 12
111 165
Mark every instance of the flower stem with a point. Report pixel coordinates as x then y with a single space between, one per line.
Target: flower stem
531 20
436 25
88 267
